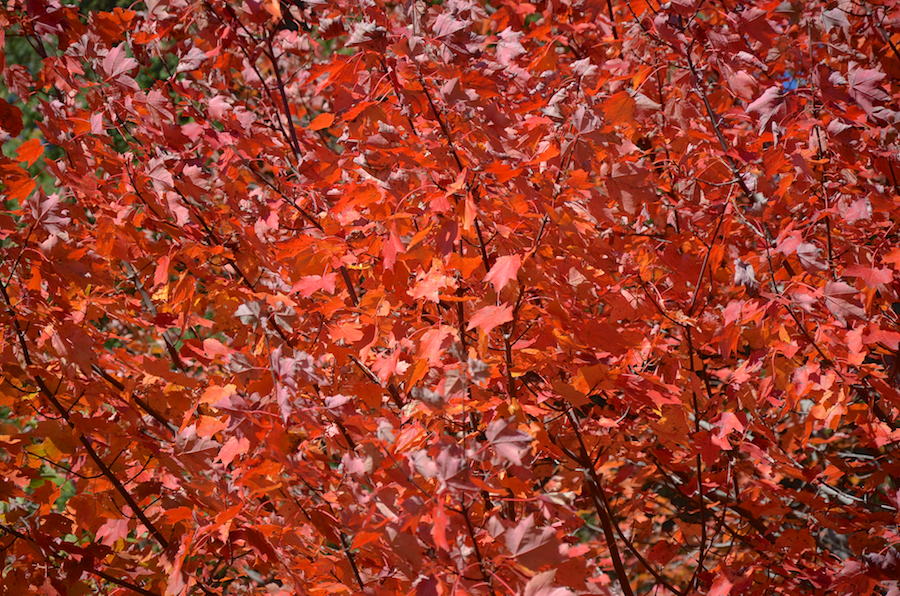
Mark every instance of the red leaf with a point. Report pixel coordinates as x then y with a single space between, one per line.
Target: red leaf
428 587
627 183
161 275
10 118
392 248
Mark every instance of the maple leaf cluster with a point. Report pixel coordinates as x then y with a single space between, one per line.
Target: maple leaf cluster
441 298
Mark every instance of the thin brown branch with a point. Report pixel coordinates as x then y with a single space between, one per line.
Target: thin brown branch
110 578
392 389
703 537
602 513
284 100
482 564
168 336
86 442
714 120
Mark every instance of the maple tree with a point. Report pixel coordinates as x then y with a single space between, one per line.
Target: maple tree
448 298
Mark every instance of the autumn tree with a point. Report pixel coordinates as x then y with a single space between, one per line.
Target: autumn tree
445 298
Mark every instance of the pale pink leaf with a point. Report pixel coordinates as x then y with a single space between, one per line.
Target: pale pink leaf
864 87
508 46
768 106
542 585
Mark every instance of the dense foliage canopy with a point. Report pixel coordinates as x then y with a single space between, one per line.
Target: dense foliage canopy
444 298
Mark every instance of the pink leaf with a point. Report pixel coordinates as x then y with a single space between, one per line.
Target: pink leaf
838 296
767 106
232 448
865 89
508 46
721 587
503 270
191 61
446 24
285 403
310 284
891 339
392 248
728 422
218 107
542 585
532 546
788 242
808 254
835 17
434 342
430 284
509 443
117 62
490 316
742 84
159 175
871 276
112 531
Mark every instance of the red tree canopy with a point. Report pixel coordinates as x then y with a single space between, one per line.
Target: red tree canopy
445 298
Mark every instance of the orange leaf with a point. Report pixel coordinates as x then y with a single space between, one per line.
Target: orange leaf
207 426
273 7
30 151
364 538
439 528
619 108
321 121
215 393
